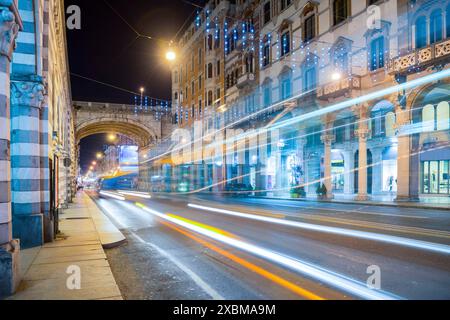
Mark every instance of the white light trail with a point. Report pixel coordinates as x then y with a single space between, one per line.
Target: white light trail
138 194
112 195
440 248
331 278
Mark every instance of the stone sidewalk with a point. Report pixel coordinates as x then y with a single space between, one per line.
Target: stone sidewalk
45 270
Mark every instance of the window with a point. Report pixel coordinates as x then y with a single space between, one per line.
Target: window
447 21
377 54
436 26
210 42
340 11
218 95
285 43
218 67
210 98
192 63
435 177
217 39
340 58
266 12
200 56
175 96
285 4
186 93
309 28
200 107
436 117
266 54
193 88
192 111
421 32
286 85
309 78
199 83
249 63
210 70
267 95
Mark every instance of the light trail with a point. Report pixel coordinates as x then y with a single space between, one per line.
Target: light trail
252 267
320 112
138 194
423 245
113 195
329 277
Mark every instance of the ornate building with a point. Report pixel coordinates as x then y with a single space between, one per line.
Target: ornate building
348 95
37 128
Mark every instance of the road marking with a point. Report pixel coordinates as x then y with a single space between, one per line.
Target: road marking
321 274
198 281
440 248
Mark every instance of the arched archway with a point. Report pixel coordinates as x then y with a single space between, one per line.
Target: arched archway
142 135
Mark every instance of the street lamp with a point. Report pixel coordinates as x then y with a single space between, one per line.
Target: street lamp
112 137
99 155
94 163
170 55
336 76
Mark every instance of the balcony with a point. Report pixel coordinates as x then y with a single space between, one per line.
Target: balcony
245 80
420 58
339 88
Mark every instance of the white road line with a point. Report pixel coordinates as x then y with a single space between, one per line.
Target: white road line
198 281
423 245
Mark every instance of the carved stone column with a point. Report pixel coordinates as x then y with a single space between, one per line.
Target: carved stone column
10 24
26 100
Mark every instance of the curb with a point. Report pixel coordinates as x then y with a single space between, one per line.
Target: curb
110 236
381 204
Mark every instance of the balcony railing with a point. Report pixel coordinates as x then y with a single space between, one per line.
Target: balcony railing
423 57
339 88
245 80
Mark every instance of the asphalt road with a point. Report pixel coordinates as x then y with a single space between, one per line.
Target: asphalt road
276 249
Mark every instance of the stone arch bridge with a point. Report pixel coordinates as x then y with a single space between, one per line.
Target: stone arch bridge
143 126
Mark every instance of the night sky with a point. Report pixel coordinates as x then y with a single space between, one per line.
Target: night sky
106 49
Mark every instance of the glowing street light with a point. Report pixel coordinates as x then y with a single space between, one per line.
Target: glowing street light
170 55
99 155
112 137
336 76
91 168
94 163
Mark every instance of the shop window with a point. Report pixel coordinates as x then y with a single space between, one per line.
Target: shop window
421 32
436 26
435 177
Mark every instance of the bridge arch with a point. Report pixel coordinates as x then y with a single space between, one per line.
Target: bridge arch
135 130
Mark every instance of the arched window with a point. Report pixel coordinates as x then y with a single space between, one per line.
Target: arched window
309 22
442 116
309 77
428 118
421 32
436 26
285 42
340 59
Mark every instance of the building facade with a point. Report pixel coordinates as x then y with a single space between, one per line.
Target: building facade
37 121
343 98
